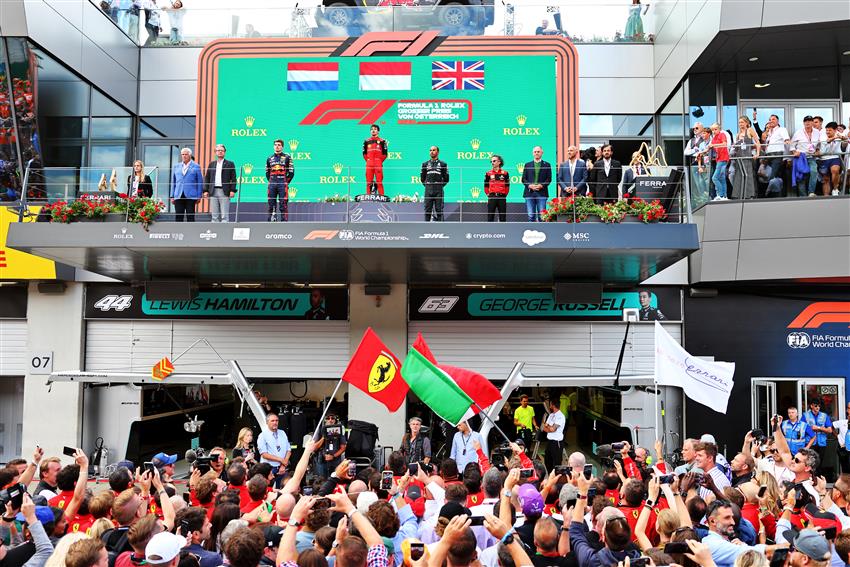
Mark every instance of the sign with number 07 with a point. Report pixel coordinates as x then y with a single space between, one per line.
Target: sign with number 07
41 362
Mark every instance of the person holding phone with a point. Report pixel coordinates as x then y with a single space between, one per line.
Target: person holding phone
554 428
415 446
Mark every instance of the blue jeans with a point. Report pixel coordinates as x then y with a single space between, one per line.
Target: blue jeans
534 206
719 178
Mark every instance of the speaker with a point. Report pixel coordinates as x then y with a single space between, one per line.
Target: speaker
52 288
171 290
578 292
378 289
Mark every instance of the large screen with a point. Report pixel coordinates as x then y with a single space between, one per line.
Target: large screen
322 108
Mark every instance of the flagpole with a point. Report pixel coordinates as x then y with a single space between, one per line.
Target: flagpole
325 411
487 417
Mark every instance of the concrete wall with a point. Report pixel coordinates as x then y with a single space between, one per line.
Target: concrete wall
389 321
53 416
772 239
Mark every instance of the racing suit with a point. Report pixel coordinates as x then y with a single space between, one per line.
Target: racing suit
497 183
375 152
434 176
279 172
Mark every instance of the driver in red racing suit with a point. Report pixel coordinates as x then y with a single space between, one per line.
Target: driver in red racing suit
375 152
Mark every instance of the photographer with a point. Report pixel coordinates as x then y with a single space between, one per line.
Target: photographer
333 442
32 553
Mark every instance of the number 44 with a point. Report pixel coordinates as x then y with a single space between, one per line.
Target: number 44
114 302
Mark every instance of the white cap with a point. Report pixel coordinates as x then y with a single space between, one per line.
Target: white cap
364 500
163 548
708 438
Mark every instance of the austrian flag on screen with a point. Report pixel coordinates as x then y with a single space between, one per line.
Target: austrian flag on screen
312 76
385 76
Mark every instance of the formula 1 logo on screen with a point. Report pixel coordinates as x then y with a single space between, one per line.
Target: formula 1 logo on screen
420 111
822 313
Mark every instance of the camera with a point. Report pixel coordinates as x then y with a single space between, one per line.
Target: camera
13 494
617 446
203 464
666 479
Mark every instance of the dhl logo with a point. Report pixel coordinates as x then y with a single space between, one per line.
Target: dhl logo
822 313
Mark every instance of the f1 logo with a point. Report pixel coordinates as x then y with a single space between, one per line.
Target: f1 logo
366 111
438 304
821 313
321 235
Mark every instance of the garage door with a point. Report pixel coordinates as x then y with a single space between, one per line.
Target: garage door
493 347
264 349
13 347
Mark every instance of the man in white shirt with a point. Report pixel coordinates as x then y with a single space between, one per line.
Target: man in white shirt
705 459
554 428
805 141
463 447
776 138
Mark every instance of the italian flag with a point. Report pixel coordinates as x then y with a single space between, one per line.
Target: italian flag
436 388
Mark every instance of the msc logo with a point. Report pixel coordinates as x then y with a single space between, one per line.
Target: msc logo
321 235
382 373
799 340
364 111
820 313
438 304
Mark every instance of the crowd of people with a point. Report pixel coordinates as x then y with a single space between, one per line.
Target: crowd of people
769 162
621 507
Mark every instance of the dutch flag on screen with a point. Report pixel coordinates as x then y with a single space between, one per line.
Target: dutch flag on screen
312 76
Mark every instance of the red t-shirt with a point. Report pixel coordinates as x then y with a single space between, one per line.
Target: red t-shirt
475 499
721 150
632 515
62 499
244 497
81 523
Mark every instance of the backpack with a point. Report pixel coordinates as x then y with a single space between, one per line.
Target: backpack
117 542
361 439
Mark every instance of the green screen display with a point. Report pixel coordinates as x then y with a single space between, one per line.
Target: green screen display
513 112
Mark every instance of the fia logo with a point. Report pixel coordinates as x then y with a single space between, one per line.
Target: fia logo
799 340
346 235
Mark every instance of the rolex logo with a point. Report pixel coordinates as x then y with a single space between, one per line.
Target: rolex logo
521 120
520 167
248 168
475 192
249 121
338 168
292 192
293 145
475 143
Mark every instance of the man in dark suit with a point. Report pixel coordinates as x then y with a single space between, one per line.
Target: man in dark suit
604 179
536 177
572 175
220 185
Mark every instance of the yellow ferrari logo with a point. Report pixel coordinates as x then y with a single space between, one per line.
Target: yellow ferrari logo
382 374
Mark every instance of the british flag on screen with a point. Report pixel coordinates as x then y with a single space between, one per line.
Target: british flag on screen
457 75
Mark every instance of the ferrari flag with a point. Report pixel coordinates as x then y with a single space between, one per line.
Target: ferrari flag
376 371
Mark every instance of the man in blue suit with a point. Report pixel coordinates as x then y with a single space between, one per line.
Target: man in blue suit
536 177
187 184
572 175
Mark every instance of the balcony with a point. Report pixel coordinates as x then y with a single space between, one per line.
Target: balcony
589 22
346 237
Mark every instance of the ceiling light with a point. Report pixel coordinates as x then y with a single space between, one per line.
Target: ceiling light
846 52
761 85
753 59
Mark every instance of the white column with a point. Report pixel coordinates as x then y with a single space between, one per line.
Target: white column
53 416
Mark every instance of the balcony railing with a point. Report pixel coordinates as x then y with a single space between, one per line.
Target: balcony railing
765 177
588 22
314 196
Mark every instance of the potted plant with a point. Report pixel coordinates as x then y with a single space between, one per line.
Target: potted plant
576 208
143 210
613 212
60 211
647 211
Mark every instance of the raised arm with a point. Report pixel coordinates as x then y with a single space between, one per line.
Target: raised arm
294 482
80 488
29 474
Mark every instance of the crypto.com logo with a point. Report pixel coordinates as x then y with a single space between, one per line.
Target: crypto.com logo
821 313
364 111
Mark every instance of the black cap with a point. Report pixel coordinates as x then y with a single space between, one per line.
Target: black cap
808 118
272 534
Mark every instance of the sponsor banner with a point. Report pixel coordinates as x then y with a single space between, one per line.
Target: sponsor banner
109 301
17 265
464 304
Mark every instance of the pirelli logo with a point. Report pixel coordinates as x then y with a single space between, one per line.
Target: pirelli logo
822 313
321 235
